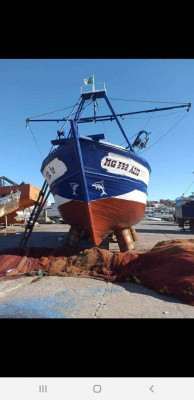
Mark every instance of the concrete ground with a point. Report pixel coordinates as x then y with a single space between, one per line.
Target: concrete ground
59 297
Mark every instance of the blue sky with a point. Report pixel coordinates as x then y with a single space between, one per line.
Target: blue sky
32 87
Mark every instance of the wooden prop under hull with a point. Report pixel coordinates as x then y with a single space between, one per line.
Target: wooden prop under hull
101 217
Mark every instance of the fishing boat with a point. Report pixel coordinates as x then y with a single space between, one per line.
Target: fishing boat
28 196
99 187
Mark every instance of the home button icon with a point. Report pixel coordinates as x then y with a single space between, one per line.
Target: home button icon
97 388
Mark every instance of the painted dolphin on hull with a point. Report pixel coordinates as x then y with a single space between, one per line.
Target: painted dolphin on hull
100 186
74 186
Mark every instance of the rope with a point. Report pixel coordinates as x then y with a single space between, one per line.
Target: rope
164 134
36 142
50 112
148 120
188 188
69 116
148 101
106 136
164 123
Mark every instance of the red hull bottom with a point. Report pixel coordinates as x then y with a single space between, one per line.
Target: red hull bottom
99 218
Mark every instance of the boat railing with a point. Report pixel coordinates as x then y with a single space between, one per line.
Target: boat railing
90 88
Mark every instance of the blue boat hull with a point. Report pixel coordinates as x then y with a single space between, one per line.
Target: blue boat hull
98 187
184 209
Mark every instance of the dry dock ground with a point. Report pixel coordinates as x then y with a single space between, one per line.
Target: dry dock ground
59 297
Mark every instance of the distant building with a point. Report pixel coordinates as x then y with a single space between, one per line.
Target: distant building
161 206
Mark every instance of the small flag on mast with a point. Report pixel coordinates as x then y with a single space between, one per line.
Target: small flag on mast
89 81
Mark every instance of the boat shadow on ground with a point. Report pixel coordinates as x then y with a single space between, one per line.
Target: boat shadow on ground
47 240
164 231
133 287
160 224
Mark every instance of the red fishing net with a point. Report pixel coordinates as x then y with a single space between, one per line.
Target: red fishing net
168 268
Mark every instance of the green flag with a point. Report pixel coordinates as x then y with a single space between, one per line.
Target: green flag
89 81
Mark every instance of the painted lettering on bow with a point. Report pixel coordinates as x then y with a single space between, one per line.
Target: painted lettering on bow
112 163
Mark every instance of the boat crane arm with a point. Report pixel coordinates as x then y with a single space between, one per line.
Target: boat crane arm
109 117
92 97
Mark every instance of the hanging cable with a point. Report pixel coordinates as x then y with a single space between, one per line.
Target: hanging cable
188 188
69 116
50 112
159 127
88 103
125 131
164 134
106 136
36 142
148 120
163 124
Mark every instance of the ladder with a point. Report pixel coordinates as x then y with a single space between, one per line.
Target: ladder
39 204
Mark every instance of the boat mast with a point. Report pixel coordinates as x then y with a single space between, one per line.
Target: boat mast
96 94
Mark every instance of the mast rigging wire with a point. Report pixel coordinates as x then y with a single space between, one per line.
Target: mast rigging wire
148 120
188 188
164 134
149 101
157 116
36 142
68 117
159 127
50 112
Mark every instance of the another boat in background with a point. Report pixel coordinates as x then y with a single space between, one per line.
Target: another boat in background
185 211
28 196
9 203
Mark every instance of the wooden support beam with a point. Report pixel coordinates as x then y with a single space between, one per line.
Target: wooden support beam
124 239
133 233
73 237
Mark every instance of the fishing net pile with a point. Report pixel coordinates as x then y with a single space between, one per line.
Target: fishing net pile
167 268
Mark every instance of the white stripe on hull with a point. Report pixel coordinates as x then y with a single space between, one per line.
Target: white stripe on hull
134 195
60 200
